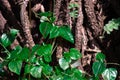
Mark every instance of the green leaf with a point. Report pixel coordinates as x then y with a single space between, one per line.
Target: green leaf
74 14
54 32
65 32
47 14
24 54
36 71
67 57
35 48
109 74
78 74
48 57
100 57
57 77
14 53
14 32
27 68
75 54
5 40
52 19
44 50
15 66
47 70
63 64
33 59
45 28
73 5
98 68
111 25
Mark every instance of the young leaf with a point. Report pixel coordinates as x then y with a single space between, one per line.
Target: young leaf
75 54
100 57
98 68
5 40
45 28
48 57
109 74
64 32
54 32
15 66
43 19
73 5
63 64
36 71
74 14
112 24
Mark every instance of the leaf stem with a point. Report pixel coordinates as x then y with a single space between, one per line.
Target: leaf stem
5 49
113 64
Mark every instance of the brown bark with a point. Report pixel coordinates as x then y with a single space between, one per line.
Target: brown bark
26 25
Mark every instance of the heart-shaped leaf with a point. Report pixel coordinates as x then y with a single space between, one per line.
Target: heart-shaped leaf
44 50
100 57
63 64
36 71
109 74
24 54
98 68
5 40
75 54
65 32
54 32
15 66
47 70
45 28
14 32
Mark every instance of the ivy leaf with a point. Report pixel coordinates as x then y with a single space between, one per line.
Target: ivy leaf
24 54
47 14
75 54
27 68
65 32
44 50
67 57
98 68
78 74
109 74
54 32
15 66
14 32
100 57
57 77
47 70
52 19
5 40
63 64
45 28
47 57
36 71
